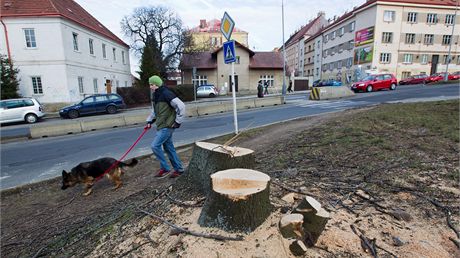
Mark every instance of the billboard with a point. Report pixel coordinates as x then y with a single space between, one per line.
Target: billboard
363 55
364 36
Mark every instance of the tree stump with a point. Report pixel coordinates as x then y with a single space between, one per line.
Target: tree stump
291 226
208 158
239 200
314 219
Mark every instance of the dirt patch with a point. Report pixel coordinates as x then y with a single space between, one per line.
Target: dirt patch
404 157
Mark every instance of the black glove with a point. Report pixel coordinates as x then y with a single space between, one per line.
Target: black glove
149 124
175 125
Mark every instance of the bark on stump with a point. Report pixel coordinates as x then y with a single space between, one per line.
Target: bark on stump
208 158
239 200
314 219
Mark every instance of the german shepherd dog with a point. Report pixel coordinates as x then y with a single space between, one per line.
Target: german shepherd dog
88 172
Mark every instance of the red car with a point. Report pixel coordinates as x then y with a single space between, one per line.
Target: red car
376 82
439 77
416 79
455 76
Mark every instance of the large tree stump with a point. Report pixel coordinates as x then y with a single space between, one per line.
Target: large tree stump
208 158
314 219
239 200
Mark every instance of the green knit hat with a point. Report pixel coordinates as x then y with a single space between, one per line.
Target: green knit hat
156 80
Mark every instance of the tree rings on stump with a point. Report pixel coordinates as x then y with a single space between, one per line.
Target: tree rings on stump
239 200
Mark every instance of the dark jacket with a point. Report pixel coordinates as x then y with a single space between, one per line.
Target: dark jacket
167 109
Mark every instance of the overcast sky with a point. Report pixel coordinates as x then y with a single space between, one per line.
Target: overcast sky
260 18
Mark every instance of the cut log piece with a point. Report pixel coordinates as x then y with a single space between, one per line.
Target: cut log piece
298 248
208 158
239 200
314 219
291 226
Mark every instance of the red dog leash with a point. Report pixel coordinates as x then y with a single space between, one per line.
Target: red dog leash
124 155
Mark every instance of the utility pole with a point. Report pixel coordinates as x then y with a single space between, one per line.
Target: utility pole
284 50
446 75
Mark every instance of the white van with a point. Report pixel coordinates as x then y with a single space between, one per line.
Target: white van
17 110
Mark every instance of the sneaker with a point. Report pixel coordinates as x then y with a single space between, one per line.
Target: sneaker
162 173
176 174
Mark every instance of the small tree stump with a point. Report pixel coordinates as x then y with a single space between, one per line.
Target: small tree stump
239 200
208 158
298 248
291 226
314 219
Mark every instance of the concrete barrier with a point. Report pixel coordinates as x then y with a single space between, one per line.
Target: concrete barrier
268 101
134 119
219 107
332 92
243 104
55 128
101 122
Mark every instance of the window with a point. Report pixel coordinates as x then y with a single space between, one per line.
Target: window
95 85
333 35
126 83
317 71
339 64
341 31
117 83
123 57
387 37
237 59
37 85
385 58
428 39
405 75
412 17
80 85
30 38
458 60
450 19
352 26
326 38
91 47
75 41
267 78
331 66
200 80
389 16
407 59
104 53
349 62
424 59
431 18
446 39
444 59
410 38
114 54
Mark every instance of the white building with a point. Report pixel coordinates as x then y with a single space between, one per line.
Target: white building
62 52
400 37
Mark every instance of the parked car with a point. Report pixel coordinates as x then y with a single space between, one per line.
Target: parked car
316 83
376 82
20 110
207 91
455 75
415 79
328 83
438 77
99 103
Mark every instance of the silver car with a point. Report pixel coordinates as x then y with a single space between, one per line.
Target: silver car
206 91
20 110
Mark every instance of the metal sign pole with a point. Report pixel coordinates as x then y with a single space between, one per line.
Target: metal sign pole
235 118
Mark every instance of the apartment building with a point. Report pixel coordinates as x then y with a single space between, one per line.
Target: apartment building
399 37
313 57
62 52
207 36
295 46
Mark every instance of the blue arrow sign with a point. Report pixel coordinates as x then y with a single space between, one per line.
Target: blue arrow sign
229 52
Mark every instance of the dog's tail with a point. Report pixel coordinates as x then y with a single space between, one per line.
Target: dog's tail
131 163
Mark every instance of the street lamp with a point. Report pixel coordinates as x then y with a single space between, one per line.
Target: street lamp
450 44
284 50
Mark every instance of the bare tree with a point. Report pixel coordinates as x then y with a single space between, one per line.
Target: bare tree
163 25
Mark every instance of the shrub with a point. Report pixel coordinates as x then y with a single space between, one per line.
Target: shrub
135 96
184 91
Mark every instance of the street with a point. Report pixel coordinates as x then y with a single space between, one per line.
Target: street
35 160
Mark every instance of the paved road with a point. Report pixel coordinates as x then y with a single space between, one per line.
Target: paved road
35 160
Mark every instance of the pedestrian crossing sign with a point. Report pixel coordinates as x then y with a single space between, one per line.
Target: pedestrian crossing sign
229 52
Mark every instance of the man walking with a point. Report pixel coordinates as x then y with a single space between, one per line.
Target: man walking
167 114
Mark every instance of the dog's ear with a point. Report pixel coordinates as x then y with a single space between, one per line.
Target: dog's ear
64 174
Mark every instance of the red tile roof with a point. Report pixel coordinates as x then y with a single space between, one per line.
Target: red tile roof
201 60
212 26
266 60
67 9
304 30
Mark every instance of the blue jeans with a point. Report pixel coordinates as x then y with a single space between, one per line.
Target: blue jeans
164 138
